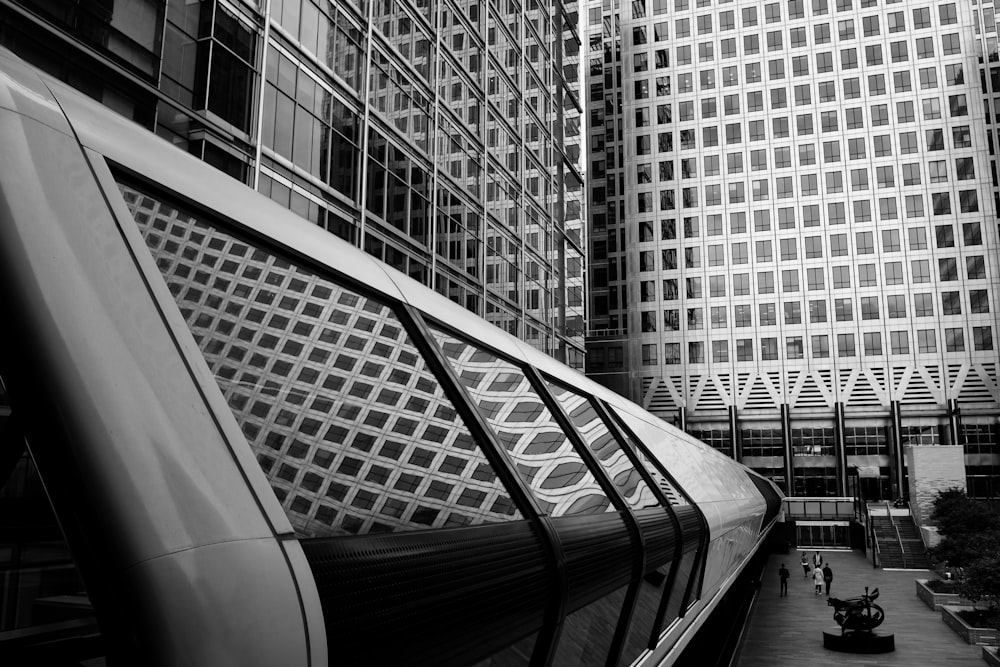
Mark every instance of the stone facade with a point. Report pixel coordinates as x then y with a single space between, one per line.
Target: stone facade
932 468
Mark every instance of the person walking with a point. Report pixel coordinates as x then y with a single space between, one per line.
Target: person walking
818 580
805 564
817 561
783 574
827 577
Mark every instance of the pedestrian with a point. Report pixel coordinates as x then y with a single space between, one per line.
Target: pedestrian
805 564
818 580
817 561
827 578
783 574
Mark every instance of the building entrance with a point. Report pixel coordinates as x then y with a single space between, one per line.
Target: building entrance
822 535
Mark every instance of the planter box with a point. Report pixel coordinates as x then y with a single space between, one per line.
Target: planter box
976 636
990 656
936 600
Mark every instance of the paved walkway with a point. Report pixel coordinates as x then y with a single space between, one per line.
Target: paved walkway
788 631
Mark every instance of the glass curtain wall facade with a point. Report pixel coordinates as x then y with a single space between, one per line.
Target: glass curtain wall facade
442 136
794 229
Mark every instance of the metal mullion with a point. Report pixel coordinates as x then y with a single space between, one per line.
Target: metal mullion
493 450
702 543
618 430
632 524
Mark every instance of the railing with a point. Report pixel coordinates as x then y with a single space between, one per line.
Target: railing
899 538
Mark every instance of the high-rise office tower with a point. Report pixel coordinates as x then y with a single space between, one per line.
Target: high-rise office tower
442 137
794 230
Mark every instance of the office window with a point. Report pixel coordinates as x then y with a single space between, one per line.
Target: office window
950 44
765 282
856 146
920 271
768 315
820 347
671 353
867 275
925 48
968 201
744 349
696 353
893 273
890 240
898 51
841 277
824 62
793 312
923 305
768 349
976 267
951 303
793 347
954 340
982 338
814 247
845 345
817 311
899 342
741 284
917 238
843 310
901 82
870 26
926 341
814 278
720 351
873 344
790 280
896 306
862 210
979 301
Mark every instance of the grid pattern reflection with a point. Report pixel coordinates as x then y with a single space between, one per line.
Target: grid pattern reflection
605 447
542 453
352 430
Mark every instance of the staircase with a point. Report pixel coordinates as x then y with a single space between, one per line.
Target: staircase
899 543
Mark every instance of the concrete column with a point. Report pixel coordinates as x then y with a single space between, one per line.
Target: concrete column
840 443
896 460
786 440
955 423
734 434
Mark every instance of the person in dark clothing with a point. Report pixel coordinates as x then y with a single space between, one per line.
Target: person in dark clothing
827 578
783 574
805 564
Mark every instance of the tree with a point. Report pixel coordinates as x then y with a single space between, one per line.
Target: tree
970 529
956 514
981 582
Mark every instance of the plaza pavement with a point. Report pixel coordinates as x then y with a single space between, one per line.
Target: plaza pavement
788 631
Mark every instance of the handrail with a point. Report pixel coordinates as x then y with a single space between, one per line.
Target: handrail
899 538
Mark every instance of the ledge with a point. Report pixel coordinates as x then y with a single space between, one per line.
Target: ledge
936 600
975 636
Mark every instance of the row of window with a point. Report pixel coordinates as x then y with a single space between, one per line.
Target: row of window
796 9
878 114
849 58
840 276
944 235
934 140
777 70
888 208
843 311
872 342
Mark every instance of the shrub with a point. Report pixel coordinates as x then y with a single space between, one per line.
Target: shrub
981 581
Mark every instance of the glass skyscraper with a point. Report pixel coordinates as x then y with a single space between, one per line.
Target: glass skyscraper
442 136
794 230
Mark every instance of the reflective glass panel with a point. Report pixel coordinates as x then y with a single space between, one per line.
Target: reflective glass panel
541 452
352 430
